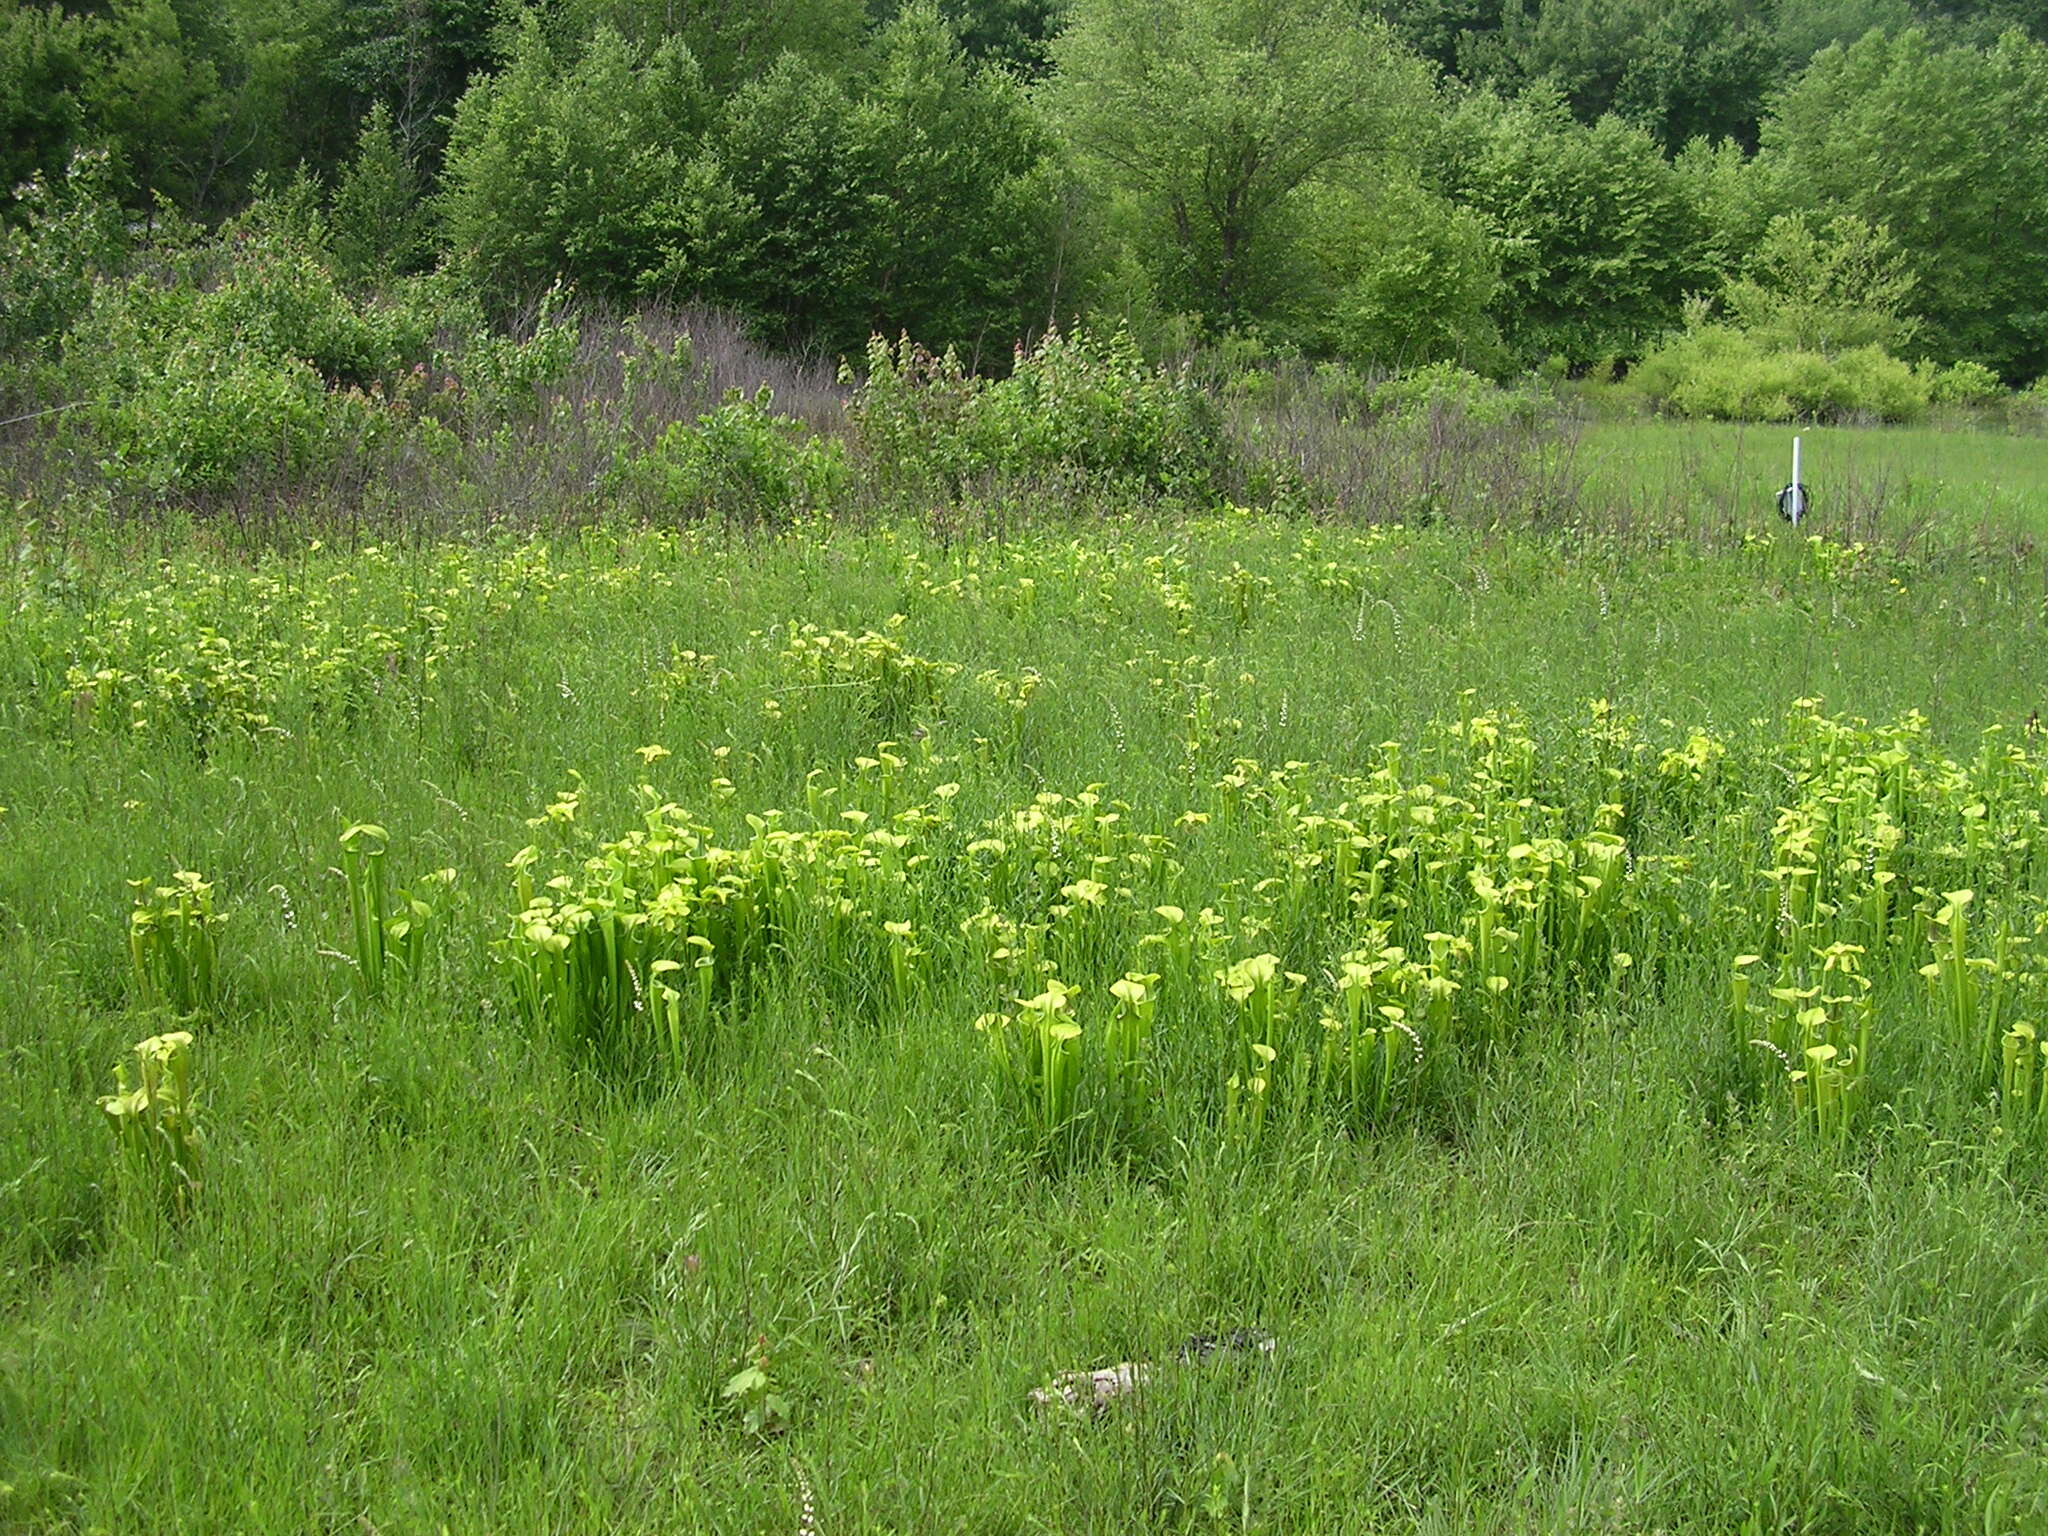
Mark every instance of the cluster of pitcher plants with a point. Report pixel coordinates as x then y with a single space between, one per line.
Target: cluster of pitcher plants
1291 941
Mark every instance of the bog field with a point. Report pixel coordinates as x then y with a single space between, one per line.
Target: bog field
688 1027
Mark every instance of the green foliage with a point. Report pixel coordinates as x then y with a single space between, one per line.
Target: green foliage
1719 373
735 43
1813 320
388 932
751 1393
915 197
209 362
189 387
1598 241
741 462
379 222
1965 383
197 103
1941 145
1443 386
908 196
157 100
1201 121
1078 408
71 232
202 419
1013 34
43 63
1732 199
1405 278
1696 68
1806 27
1825 290
570 167
962 188
173 944
156 1123
497 372
415 57
800 210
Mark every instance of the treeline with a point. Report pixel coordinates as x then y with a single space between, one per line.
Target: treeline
1504 184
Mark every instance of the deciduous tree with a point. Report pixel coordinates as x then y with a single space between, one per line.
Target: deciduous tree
1947 147
1209 115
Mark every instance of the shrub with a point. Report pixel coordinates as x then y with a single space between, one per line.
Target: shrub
1405 277
2029 407
497 371
1869 381
1443 386
203 415
1078 408
191 387
1819 290
742 462
558 166
1721 374
71 231
282 301
1966 383
244 354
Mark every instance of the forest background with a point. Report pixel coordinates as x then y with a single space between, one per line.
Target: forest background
1807 208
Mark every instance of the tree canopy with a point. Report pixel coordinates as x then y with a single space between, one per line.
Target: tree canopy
1209 115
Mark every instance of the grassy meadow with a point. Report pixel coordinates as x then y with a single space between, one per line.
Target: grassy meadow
1924 482
688 1028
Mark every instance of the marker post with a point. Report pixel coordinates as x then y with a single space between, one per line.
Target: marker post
1792 499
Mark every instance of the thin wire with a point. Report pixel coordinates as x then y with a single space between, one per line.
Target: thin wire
15 421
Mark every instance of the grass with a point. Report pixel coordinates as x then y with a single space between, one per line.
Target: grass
1940 482
436 1275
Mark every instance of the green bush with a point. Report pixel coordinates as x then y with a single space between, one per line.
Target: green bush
1077 408
1443 386
70 231
1404 278
204 415
188 387
560 166
1719 373
500 372
1869 381
244 354
284 302
2028 408
1966 383
741 462
1596 235
1809 289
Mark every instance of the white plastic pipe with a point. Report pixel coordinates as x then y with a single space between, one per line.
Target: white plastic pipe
1798 491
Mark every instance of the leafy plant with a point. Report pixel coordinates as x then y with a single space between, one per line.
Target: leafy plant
1038 1057
741 462
387 930
894 682
752 1393
2023 1081
1369 1051
156 1123
1078 408
1720 373
173 945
